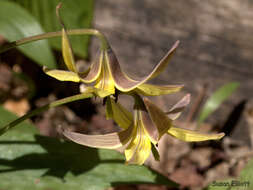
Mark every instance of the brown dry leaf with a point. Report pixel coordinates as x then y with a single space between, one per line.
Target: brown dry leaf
53 120
19 107
237 167
201 156
2 40
5 78
220 172
151 187
187 176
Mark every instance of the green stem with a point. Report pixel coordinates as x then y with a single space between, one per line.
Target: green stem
138 101
44 108
104 43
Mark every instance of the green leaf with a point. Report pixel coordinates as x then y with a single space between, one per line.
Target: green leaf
17 23
30 161
216 100
246 175
6 117
75 14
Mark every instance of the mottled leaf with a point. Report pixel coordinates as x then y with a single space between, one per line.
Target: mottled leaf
29 161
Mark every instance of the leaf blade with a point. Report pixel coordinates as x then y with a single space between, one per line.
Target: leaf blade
44 11
217 98
246 175
37 162
17 23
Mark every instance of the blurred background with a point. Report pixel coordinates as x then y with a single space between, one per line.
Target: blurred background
215 43
215 50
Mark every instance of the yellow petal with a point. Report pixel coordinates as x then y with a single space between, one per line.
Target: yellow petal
105 82
118 113
140 147
157 90
123 82
62 75
67 52
109 141
104 93
159 118
192 136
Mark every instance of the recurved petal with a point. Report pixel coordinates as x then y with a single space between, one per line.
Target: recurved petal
109 141
67 52
151 129
118 113
157 90
94 70
139 149
158 117
192 136
62 75
164 62
123 82
177 109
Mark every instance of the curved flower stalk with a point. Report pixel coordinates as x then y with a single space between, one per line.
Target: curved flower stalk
141 131
106 74
56 103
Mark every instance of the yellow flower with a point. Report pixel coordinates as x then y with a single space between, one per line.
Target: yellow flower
106 74
142 131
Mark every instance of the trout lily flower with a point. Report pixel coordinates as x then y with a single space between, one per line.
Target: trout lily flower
106 75
141 131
